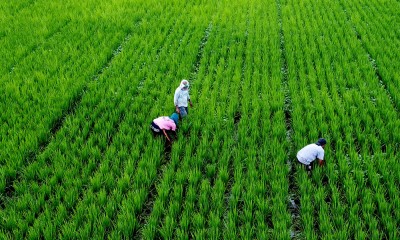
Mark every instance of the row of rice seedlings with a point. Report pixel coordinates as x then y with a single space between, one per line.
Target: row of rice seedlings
224 88
170 189
87 158
375 24
264 185
194 165
171 217
25 26
13 8
103 137
196 161
298 121
174 205
227 97
271 147
226 81
137 139
202 162
126 231
190 176
28 129
372 135
380 47
350 190
302 105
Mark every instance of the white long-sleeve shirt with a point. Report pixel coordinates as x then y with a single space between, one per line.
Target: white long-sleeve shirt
181 97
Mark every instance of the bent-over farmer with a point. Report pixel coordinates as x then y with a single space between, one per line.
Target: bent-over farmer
164 125
311 152
182 98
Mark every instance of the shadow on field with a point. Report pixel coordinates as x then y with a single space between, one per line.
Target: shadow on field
167 150
237 117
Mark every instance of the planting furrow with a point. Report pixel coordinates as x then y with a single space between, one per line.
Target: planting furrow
370 58
140 207
155 215
108 134
332 66
57 123
168 160
34 48
293 197
27 148
375 24
30 30
13 8
200 52
145 84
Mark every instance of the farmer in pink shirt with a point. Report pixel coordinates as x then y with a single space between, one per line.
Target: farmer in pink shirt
165 124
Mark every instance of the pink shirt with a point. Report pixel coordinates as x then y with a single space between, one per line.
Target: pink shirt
165 123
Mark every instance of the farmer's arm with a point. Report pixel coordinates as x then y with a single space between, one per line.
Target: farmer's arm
190 101
166 135
176 96
321 162
320 157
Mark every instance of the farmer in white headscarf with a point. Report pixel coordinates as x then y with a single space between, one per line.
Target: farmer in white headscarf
182 98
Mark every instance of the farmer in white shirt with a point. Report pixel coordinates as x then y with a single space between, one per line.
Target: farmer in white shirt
313 151
182 98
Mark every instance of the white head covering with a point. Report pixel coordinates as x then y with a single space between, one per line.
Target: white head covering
184 84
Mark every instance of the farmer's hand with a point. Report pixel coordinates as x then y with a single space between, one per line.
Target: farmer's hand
191 104
177 110
321 162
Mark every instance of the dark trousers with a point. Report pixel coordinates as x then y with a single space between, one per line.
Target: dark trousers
155 129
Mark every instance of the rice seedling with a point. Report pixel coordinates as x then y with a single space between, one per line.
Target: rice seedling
82 80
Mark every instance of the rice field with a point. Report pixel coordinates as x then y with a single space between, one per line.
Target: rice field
81 82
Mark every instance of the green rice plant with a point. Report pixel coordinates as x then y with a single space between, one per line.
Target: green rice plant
350 95
359 17
265 80
204 204
214 226
167 229
55 110
138 182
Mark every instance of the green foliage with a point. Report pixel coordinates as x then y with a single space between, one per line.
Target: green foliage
81 82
